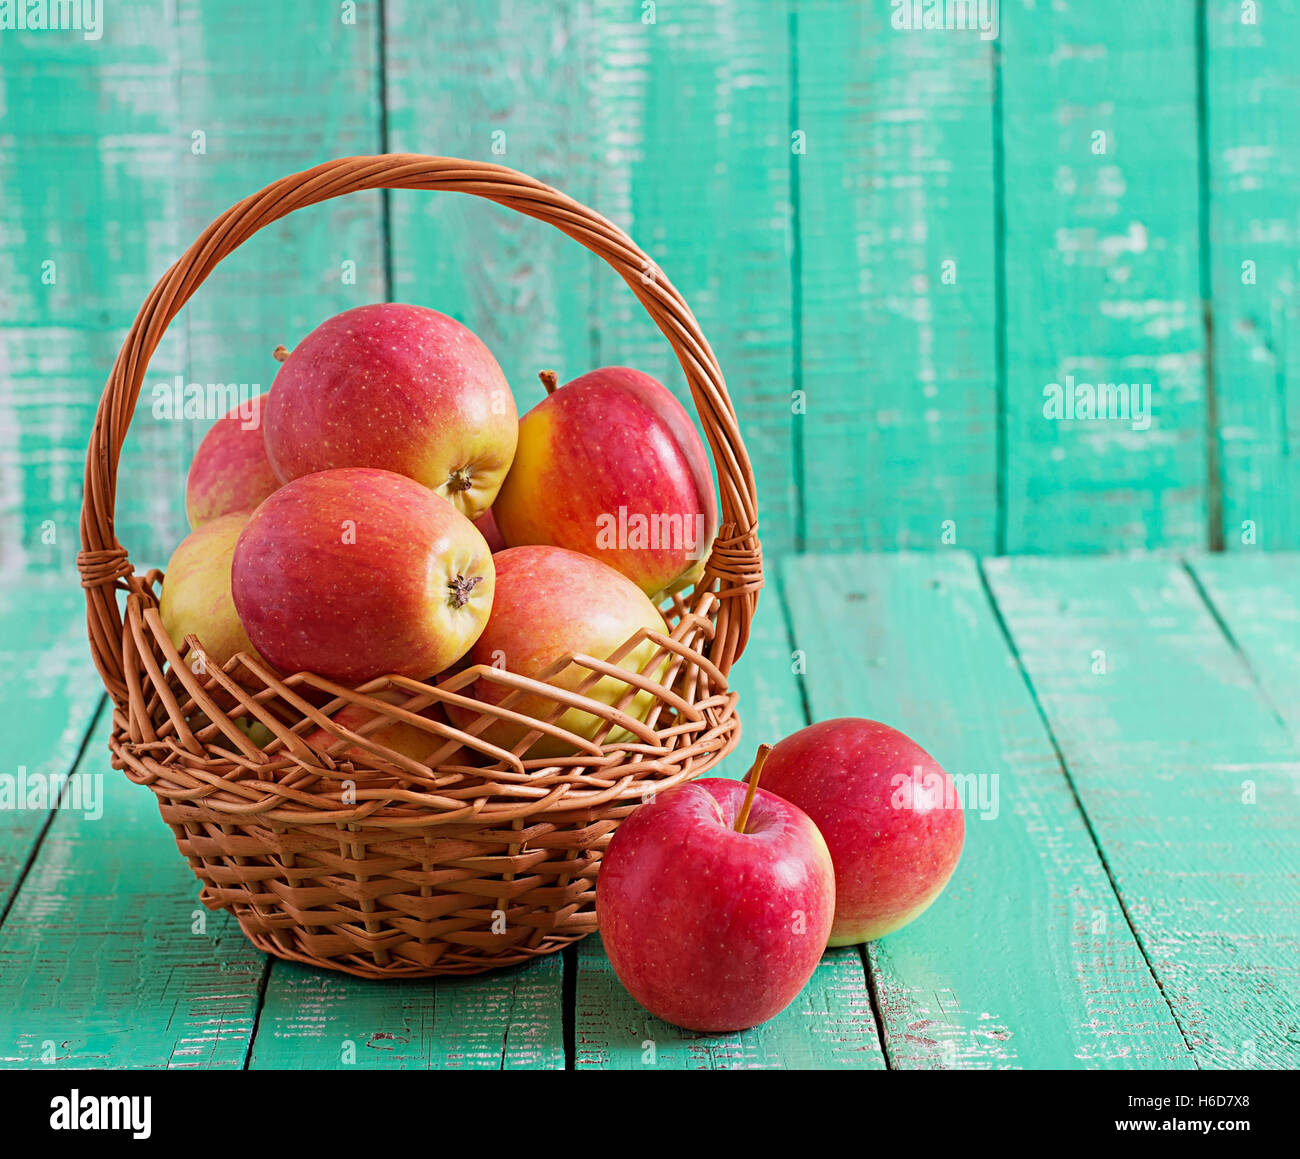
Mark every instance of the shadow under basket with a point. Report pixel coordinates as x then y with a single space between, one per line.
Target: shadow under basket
331 848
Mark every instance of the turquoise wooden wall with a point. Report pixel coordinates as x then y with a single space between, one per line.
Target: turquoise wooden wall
894 240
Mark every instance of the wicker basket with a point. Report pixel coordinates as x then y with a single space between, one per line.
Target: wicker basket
382 866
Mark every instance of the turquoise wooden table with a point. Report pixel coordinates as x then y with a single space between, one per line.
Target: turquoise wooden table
1127 896
897 243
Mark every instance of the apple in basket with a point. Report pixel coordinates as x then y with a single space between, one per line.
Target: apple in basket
196 597
714 909
400 388
487 525
550 602
611 465
354 573
403 738
230 470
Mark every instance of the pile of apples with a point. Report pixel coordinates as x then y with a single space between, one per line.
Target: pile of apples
383 510
716 899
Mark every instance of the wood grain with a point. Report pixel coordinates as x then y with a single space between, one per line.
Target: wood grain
1102 273
1190 784
315 96
87 158
690 127
312 1019
1026 959
49 697
107 959
501 81
898 348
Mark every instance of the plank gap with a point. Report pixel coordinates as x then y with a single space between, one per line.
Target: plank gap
1213 465
259 1003
1054 740
999 305
868 972
796 297
1218 617
53 810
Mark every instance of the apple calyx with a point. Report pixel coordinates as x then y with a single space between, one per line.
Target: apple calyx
280 353
752 777
459 480
550 380
461 588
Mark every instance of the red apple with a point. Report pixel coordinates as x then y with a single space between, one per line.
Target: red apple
550 602
708 927
196 596
889 814
356 573
400 388
611 465
230 470
404 739
487 526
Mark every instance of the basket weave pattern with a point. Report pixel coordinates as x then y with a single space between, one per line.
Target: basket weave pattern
352 856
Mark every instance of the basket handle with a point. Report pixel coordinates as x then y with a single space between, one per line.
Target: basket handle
734 567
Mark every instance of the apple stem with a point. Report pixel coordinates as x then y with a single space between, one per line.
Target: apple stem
461 589
550 380
280 353
752 778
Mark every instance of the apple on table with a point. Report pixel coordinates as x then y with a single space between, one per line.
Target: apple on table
889 813
714 902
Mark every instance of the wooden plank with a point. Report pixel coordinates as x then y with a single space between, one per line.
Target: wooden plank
49 695
82 243
830 1024
1257 597
107 959
765 683
1026 959
1102 274
899 349
1189 781
457 86
317 1020
1253 160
